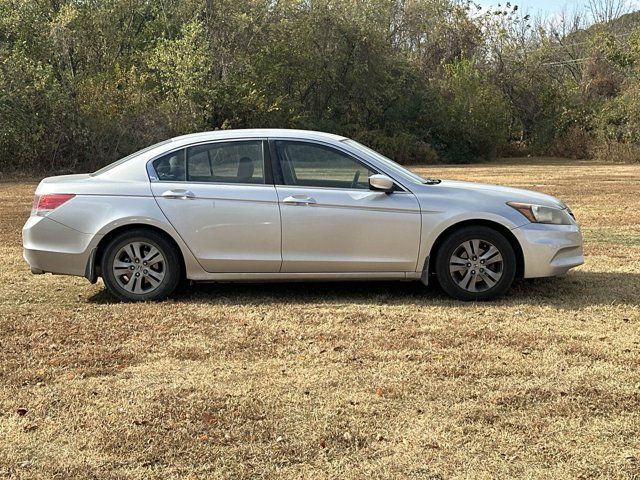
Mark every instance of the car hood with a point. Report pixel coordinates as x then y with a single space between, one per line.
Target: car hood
484 192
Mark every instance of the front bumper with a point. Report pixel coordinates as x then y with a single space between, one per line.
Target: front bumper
549 250
51 247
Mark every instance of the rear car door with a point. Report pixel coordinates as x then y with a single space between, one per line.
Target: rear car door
220 199
332 221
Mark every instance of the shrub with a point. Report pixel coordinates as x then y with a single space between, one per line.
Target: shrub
612 151
575 142
618 127
474 123
404 148
516 148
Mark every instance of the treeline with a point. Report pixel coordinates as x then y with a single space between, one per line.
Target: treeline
84 82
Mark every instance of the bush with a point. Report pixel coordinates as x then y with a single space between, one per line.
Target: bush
84 83
611 151
618 127
576 143
474 120
404 148
516 148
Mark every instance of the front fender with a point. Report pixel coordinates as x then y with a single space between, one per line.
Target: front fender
434 224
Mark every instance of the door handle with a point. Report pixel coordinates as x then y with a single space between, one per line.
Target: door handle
299 200
179 194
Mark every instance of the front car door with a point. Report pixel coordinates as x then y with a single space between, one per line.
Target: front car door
220 199
332 221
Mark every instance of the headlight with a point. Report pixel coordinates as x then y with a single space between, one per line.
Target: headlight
542 214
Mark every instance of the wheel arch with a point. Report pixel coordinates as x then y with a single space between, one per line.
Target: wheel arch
96 259
517 248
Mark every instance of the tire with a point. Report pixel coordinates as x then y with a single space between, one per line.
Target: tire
140 265
469 269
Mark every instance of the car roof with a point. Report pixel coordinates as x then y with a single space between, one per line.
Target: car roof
129 166
256 132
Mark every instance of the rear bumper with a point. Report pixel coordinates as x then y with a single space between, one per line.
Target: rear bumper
50 247
549 250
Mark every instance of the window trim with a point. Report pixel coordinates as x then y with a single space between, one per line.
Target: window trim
266 163
279 177
271 163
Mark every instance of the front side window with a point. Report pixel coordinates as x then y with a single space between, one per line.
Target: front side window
313 165
226 162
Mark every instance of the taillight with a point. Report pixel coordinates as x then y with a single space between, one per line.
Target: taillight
43 204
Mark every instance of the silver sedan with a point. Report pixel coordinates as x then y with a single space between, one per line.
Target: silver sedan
253 205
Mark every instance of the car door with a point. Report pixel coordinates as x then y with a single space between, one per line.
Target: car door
219 199
332 221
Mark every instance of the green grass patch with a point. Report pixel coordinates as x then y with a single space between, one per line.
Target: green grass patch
610 237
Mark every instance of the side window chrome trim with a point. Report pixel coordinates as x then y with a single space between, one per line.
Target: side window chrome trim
360 190
230 184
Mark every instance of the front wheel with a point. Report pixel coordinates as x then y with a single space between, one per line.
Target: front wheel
140 265
475 263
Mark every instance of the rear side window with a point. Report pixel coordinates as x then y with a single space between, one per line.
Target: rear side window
170 167
226 162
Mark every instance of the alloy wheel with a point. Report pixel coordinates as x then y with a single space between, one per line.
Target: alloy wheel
139 267
476 265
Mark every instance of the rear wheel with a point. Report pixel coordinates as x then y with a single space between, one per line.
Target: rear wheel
140 265
475 263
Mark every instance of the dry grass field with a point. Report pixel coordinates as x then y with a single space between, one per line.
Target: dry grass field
346 381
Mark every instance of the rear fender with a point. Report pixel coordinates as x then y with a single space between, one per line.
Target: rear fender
99 215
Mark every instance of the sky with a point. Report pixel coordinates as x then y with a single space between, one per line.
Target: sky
549 7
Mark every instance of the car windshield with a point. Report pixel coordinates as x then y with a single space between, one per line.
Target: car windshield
129 157
387 162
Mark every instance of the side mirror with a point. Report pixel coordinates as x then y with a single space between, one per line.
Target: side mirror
381 183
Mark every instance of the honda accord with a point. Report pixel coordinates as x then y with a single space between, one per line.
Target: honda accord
257 205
